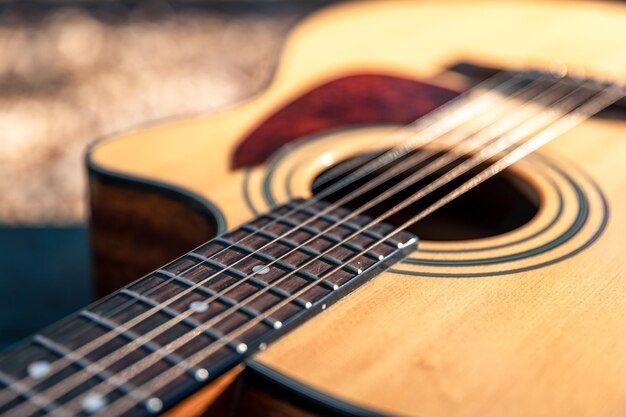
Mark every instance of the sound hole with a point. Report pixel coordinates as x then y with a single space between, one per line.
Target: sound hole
499 205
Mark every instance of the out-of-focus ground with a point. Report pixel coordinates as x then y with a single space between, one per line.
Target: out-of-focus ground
71 75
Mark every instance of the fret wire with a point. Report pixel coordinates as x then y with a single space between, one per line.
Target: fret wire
569 120
184 339
196 265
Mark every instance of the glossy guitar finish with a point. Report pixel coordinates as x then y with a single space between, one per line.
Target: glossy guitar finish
530 322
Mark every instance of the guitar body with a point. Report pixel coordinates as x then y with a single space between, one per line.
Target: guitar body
529 321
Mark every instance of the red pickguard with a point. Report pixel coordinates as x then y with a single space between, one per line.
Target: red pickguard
348 101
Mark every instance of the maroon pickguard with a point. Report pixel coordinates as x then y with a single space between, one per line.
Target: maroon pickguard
348 101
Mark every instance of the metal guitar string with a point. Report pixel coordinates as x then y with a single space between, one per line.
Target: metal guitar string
284 277
606 97
439 114
545 92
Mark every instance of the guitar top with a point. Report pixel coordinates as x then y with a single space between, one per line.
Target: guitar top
376 233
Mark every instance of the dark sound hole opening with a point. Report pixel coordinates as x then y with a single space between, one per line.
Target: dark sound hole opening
499 205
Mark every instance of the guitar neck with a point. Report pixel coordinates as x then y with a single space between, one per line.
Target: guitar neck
147 346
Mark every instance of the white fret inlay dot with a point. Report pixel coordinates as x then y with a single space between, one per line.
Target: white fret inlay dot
154 405
409 242
201 374
38 369
261 269
199 306
93 403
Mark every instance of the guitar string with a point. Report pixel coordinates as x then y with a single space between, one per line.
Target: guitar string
451 106
338 203
284 277
599 101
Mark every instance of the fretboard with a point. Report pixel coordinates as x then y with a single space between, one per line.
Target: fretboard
147 346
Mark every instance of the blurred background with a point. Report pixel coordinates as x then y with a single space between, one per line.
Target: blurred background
72 72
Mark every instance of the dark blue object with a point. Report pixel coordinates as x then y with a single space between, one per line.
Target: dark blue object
44 275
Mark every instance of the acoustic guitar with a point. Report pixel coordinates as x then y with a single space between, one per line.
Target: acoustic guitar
374 233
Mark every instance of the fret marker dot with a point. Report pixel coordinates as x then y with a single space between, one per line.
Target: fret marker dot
308 305
199 306
381 257
409 242
323 306
38 369
242 348
261 269
336 287
263 346
201 374
154 405
359 271
278 325
93 403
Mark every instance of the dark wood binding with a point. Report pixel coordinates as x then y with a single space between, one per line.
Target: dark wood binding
349 101
253 277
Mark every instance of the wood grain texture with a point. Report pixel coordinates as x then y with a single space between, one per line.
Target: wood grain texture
545 342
